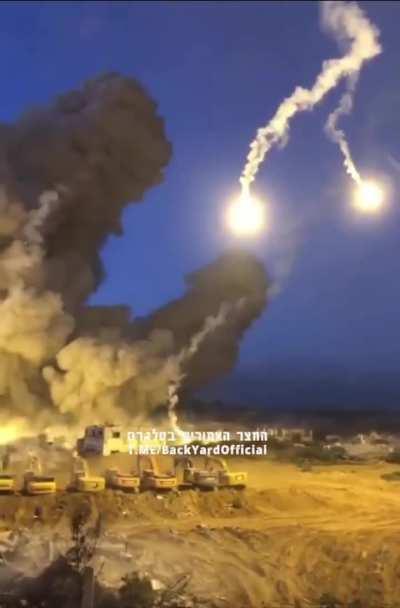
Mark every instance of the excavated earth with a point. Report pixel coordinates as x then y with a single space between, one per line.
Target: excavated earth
291 536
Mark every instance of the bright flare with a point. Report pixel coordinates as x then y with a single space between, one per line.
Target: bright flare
369 197
246 216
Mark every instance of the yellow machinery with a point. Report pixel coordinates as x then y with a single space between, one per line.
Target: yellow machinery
7 481
152 479
193 477
88 484
120 481
226 478
81 480
7 484
34 482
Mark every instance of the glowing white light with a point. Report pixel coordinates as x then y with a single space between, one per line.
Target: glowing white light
369 197
246 216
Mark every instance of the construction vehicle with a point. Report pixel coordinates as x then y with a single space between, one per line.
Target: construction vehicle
203 479
226 478
152 479
7 484
121 481
81 480
34 482
7 481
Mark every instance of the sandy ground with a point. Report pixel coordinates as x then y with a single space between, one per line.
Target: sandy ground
290 536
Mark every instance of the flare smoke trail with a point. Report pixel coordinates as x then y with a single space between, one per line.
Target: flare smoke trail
210 325
32 230
349 25
67 172
338 135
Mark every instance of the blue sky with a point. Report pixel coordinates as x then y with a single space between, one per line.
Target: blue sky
218 71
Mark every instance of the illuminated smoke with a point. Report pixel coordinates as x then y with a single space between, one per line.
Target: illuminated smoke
105 379
347 22
67 172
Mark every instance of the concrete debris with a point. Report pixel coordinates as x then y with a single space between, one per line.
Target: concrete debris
156 584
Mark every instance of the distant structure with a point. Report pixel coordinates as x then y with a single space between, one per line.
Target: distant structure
333 439
107 439
295 435
103 440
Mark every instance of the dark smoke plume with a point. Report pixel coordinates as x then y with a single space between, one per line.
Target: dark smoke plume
66 174
235 277
102 147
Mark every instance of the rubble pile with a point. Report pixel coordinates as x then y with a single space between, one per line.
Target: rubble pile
67 540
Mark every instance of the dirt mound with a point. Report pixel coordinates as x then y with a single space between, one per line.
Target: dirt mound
115 506
289 537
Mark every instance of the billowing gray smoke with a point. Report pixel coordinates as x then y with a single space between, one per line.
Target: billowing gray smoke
101 147
67 172
236 277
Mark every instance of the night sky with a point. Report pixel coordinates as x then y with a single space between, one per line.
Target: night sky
218 71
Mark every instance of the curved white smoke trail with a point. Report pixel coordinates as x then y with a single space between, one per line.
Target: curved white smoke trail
338 135
349 25
210 325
